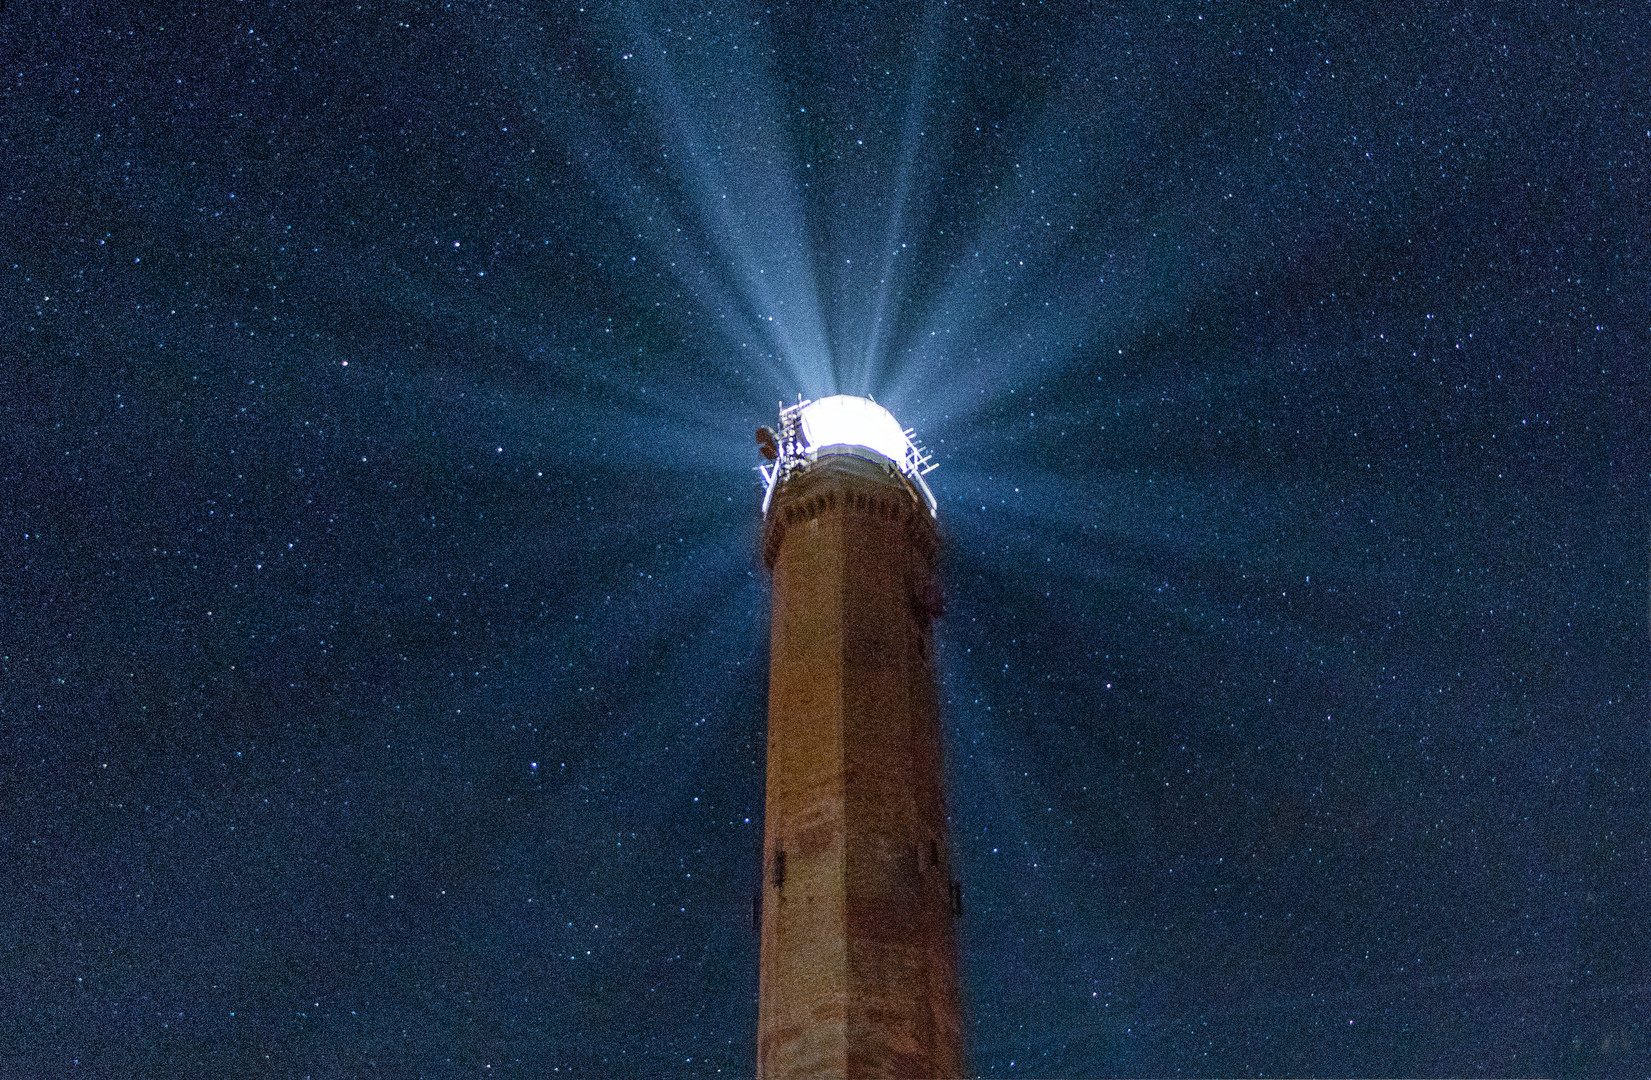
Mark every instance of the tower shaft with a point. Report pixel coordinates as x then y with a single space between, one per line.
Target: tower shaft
859 974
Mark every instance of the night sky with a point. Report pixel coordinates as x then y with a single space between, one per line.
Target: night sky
383 634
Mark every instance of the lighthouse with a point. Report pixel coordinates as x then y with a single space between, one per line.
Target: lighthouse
859 907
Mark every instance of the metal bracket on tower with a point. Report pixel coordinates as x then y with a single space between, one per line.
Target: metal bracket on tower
793 453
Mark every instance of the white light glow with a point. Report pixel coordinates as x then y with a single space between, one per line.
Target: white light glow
856 421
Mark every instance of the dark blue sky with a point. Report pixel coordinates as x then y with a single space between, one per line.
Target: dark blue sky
384 635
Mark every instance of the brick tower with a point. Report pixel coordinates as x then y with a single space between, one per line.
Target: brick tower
859 973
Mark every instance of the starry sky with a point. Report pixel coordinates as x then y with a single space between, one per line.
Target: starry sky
383 646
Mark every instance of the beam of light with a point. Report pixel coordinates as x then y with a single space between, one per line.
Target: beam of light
1073 261
692 239
1035 295
687 161
889 281
738 183
702 170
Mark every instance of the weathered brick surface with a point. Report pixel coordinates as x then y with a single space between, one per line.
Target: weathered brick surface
859 954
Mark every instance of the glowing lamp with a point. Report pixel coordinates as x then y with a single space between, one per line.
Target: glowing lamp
844 420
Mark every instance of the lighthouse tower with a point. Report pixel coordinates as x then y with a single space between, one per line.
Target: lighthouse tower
859 972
